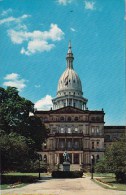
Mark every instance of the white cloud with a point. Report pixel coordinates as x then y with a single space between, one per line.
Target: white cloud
44 103
36 46
64 2
6 12
90 5
72 29
12 19
14 80
37 41
11 76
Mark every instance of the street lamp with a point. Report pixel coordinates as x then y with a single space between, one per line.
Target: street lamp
92 157
40 159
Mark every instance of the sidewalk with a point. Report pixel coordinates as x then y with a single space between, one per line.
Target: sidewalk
50 186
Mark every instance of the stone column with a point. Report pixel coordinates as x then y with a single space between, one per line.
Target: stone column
80 158
72 158
72 102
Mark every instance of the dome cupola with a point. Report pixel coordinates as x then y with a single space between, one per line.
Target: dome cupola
69 90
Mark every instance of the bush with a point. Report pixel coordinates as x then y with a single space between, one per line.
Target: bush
11 179
67 174
120 177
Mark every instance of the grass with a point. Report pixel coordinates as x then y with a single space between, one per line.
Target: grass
108 181
7 186
18 175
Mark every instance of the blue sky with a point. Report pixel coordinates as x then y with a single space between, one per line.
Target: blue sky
34 40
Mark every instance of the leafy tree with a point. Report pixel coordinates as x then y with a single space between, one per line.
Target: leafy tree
115 160
21 135
100 166
14 110
14 151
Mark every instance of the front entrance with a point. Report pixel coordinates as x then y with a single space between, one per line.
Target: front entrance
76 158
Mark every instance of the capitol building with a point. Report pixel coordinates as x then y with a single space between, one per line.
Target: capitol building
72 126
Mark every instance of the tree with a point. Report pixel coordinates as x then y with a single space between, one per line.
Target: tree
14 151
21 135
100 166
14 110
115 160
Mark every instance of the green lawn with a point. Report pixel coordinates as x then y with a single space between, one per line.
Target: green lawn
109 182
8 186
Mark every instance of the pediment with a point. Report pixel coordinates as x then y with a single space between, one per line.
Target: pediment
69 110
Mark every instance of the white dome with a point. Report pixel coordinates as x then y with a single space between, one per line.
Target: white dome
69 90
69 81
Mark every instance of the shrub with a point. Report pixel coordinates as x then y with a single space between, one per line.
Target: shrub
120 177
10 179
67 174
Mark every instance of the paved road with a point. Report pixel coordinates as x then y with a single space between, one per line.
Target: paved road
79 186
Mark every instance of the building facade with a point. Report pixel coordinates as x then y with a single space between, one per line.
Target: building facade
73 128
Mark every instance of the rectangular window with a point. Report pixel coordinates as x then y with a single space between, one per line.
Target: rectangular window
69 130
92 130
62 130
97 144
92 145
76 129
97 130
76 158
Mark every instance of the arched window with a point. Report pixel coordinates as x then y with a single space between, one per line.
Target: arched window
61 118
76 118
69 118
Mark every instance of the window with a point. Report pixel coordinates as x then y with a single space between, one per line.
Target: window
69 144
76 129
69 118
107 138
92 145
92 130
76 144
74 104
62 118
97 144
76 158
62 144
97 157
76 118
45 158
62 130
97 130
69 130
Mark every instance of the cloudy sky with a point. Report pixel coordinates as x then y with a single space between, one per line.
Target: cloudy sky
33 46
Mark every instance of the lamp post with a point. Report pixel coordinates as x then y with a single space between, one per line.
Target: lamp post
92 166
39 158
